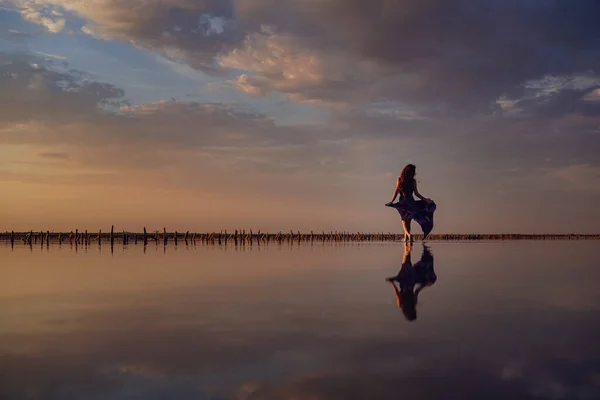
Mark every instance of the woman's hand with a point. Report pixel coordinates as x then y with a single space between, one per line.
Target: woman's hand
389 203
429 201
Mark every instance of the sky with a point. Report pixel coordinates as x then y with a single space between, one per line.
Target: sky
206 115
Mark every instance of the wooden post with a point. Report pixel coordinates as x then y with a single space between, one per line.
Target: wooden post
145 237
165 236
100 237
42 237
112 235
175 238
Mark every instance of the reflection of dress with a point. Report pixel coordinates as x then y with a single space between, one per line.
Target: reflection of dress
419 210
422 272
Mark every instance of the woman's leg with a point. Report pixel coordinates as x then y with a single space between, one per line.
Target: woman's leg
406 226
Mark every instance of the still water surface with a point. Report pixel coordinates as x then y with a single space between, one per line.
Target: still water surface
496 320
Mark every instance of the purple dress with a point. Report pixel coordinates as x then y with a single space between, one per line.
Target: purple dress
419 210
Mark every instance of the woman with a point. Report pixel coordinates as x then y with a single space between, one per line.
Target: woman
407 206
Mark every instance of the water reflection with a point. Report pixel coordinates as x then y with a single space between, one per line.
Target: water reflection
135 326
411 280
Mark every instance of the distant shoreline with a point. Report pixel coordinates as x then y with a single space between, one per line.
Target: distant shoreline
250 237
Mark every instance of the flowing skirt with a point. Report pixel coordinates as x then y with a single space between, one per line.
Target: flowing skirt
422 272
419 210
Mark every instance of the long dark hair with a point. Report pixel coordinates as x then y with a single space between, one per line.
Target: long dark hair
409 304
407 178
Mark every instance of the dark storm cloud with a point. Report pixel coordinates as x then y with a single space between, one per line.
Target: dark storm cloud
463 53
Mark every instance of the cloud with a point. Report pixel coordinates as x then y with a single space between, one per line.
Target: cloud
37 12
593 95
55 56
557 101
461 55
206 146
582 177
280 63
453 57
196 146
13 34
46 104
195 29
42 104
56 156
35 88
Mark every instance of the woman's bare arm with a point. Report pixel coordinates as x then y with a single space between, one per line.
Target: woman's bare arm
419 194
396 192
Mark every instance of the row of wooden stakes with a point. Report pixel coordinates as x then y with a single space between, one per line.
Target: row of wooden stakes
86 238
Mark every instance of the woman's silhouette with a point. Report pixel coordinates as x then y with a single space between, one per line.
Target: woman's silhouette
409 277
421 211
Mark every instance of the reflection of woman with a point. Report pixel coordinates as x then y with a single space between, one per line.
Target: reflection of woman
407 206
419 276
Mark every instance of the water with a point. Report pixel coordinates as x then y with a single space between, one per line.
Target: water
498 320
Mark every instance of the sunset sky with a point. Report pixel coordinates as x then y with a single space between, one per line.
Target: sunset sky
298 114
